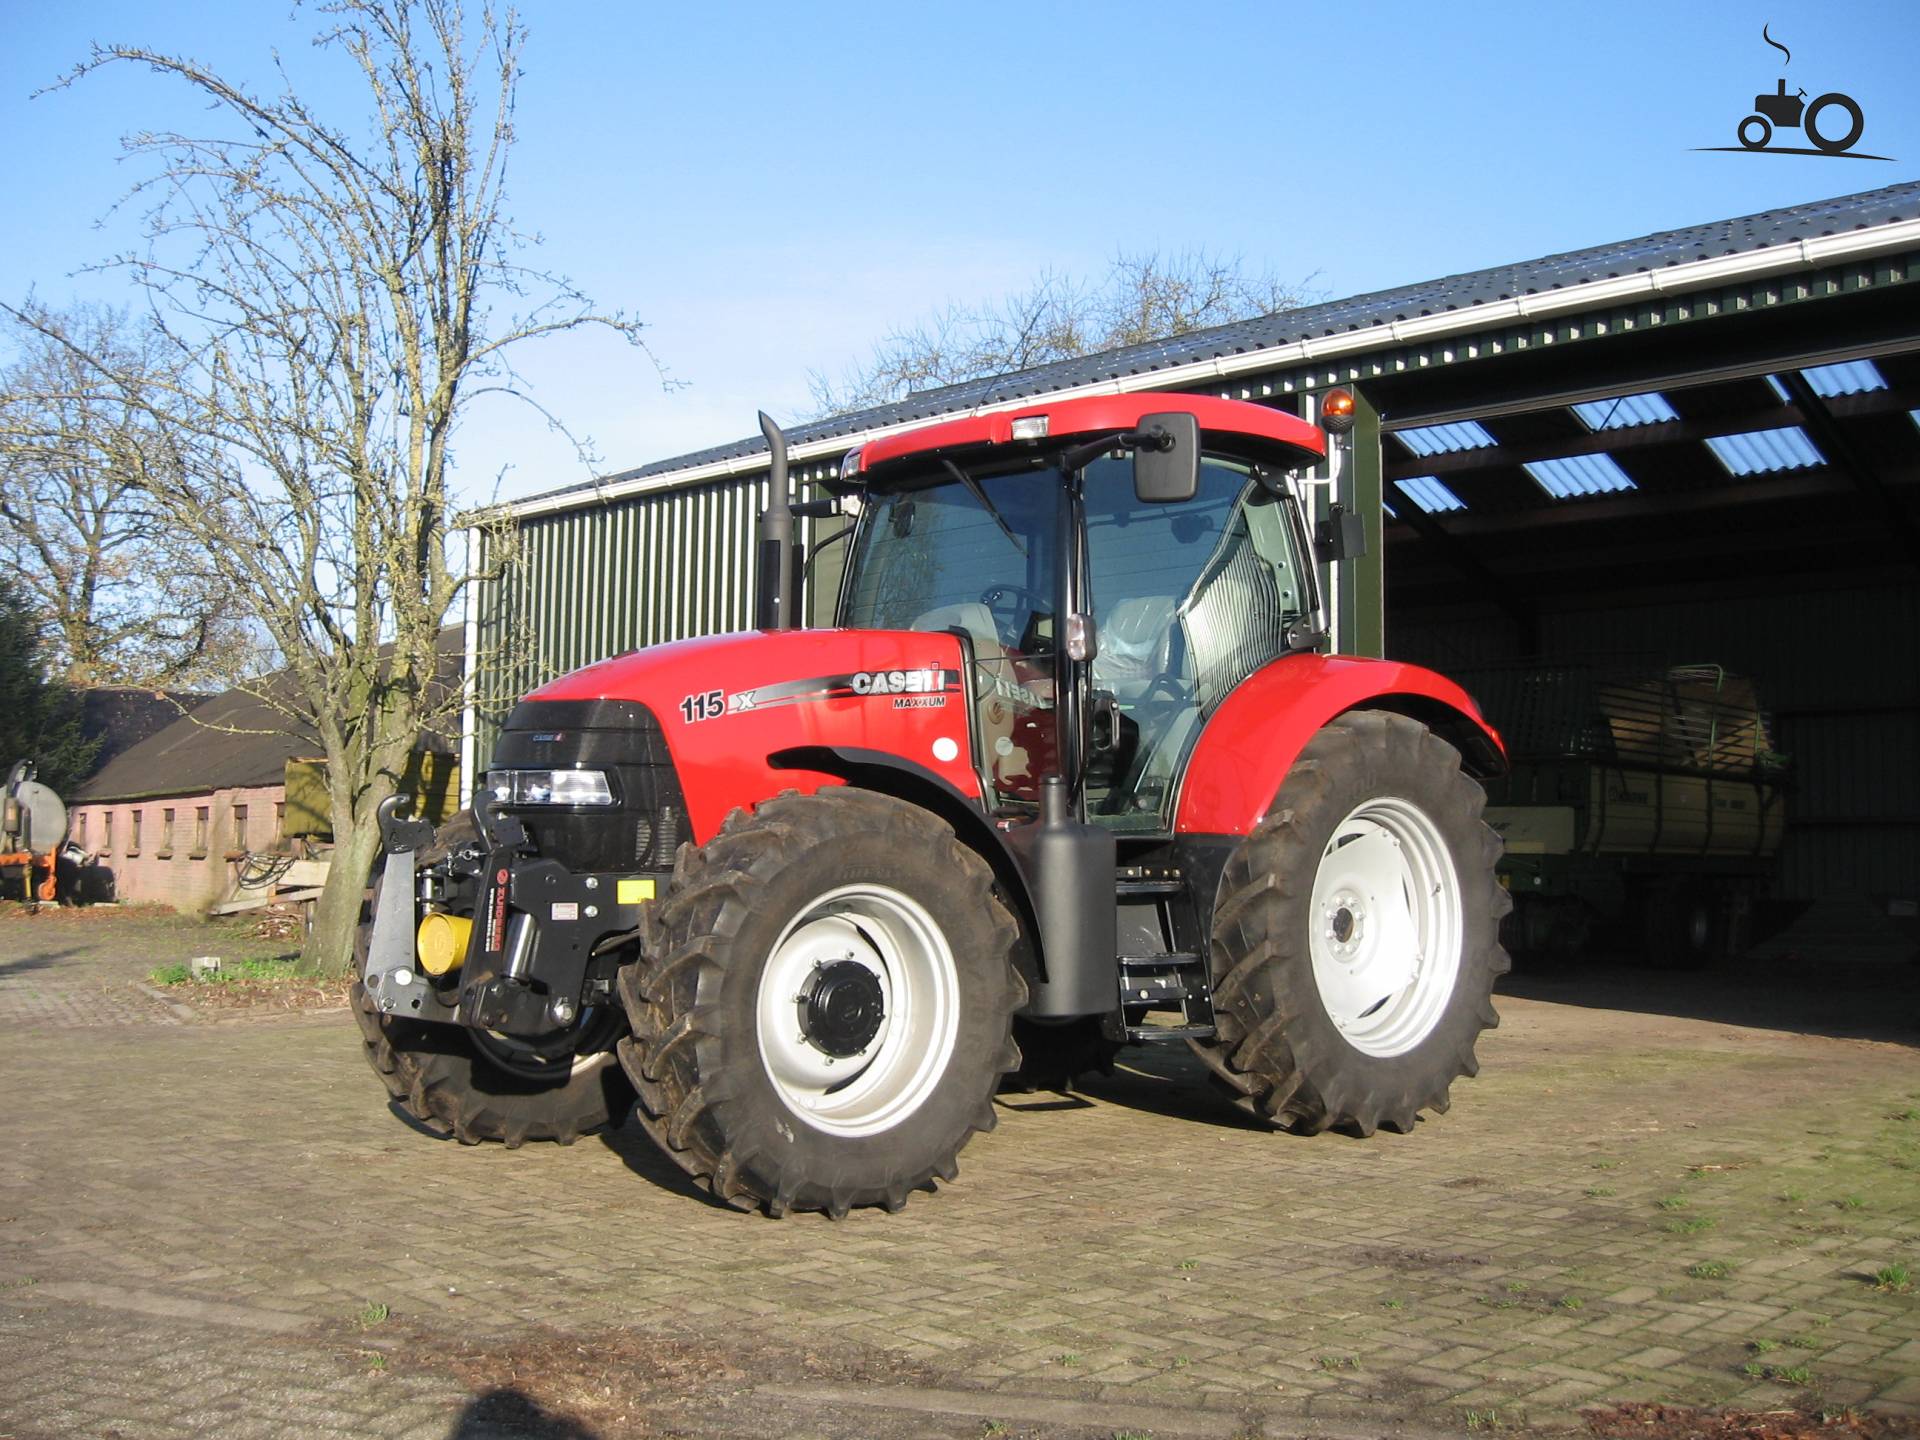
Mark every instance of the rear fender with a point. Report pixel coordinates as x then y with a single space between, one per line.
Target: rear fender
1252 740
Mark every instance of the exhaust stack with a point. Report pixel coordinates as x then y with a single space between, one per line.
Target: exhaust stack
774 604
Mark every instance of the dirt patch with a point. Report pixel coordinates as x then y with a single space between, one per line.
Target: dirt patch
1677 1422
547 1384
1407 1260
239 999
84 916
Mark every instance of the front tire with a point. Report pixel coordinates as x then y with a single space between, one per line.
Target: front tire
1356 935
478 1087
822 1008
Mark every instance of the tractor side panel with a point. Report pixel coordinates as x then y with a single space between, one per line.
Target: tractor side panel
1253 738
727 703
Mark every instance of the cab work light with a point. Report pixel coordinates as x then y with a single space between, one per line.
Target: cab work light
549 787
1030 427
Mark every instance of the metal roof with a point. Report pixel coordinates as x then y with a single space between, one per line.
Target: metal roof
1763 452
1623 412
1454 294
1445 439
1430 495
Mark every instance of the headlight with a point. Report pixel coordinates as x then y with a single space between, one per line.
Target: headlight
549 787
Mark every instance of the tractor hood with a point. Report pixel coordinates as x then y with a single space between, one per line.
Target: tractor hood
740 712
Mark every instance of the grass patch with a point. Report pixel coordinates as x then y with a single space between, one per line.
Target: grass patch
1067 1357
1394 1304
1338 1362
1570 1302
1893 1279
1692 1225
1711 1269
371 1314
1672 1202
1180 1362
1599 1192
1189 1264
1850 1202
1483 1419
1793 1197
1763 1347
267 971
1781 1374
1518 1287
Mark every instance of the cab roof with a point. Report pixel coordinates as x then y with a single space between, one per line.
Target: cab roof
1257 429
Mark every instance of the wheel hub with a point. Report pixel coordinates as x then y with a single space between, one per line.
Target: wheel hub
841 1008
1346 916
1387 930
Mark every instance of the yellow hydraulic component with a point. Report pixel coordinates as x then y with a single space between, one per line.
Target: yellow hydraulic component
442 942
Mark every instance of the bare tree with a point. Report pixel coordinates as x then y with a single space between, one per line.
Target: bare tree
121 596
335 294
1144 296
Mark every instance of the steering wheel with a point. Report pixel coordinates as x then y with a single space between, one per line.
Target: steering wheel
1005 604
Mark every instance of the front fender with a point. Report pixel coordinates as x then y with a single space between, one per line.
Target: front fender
1258 732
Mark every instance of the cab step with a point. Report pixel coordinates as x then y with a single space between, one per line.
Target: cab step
1167 1034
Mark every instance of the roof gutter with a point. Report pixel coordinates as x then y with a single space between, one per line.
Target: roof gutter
1672 279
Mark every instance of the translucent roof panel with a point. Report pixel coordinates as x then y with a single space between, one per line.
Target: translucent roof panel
1855 377
1430 495
1579 475
1623 412
1445 439
1764 452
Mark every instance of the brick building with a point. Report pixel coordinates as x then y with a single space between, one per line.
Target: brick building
171 818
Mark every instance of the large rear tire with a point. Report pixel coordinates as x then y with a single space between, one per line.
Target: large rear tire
478 1087
822 1007
1356 935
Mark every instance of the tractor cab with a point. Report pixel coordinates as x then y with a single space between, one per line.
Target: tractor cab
1109 589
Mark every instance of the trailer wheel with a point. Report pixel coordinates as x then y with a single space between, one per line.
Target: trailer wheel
1356 937
822 1006
478 1087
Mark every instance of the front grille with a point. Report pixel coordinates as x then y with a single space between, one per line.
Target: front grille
648 820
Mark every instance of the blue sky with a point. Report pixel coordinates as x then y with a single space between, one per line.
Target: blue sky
772 187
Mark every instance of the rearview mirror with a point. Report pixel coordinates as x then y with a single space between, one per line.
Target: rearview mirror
1166 462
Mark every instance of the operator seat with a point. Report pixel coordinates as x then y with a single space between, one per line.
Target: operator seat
1136 646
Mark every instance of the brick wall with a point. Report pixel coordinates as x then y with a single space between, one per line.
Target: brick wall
193 872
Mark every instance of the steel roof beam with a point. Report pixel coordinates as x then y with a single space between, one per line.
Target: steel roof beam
1844 456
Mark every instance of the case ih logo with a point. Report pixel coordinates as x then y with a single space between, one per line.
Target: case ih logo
1833 122
899 682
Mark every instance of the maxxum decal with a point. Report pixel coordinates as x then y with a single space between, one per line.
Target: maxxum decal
925 688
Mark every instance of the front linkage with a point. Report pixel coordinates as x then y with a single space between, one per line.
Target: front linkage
538 952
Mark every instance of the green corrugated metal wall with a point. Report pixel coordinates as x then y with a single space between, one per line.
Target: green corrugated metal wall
617 576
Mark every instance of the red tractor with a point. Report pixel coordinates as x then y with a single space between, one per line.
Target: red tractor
1070 773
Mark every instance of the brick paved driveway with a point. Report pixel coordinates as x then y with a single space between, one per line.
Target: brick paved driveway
1659 1188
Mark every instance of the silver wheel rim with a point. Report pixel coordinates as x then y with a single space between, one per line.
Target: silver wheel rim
906 954
1387 926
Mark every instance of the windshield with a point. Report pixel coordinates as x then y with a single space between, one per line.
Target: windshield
937 559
